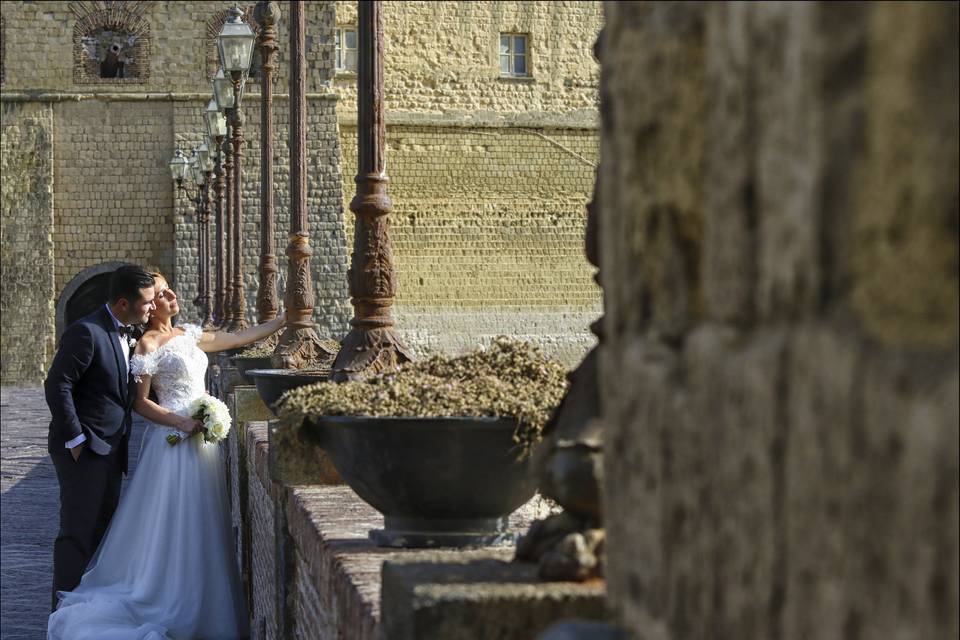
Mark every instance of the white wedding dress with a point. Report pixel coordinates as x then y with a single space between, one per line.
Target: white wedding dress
166 567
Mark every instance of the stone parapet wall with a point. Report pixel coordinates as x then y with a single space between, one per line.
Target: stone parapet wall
780 368
311 571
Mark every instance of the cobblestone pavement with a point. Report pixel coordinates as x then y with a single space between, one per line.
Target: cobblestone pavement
28 512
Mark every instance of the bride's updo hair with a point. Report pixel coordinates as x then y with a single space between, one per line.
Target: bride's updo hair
158 275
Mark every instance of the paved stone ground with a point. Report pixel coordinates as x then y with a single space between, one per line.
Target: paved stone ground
29 500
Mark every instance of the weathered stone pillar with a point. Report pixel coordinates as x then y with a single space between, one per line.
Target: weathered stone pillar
267 14
372 345
779 371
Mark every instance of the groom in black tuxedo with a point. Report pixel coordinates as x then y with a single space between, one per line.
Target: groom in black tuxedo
88 392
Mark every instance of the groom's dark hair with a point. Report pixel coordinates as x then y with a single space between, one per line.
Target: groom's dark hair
127 281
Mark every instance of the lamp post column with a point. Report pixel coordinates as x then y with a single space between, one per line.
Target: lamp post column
218 187
299 343
228 237
267 15
205 303
238 320
198 202
372 344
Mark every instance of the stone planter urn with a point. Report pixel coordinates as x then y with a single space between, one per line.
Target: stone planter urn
439 482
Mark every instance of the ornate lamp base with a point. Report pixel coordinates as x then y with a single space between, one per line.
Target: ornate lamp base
367 352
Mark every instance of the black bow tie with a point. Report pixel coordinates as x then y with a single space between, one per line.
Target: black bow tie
125 330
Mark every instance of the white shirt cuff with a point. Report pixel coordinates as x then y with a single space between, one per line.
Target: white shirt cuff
80 439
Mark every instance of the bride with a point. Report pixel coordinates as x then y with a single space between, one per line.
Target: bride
166 568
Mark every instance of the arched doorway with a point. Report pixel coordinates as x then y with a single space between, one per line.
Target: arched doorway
83 294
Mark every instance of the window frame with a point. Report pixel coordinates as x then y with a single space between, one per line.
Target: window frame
512 55
340 36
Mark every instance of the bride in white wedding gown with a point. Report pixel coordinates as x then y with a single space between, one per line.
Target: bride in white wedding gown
166 567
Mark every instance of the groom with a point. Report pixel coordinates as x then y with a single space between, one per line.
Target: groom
87 390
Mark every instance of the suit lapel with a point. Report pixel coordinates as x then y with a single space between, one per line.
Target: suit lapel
112 336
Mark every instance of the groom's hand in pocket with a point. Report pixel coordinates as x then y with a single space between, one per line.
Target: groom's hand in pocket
77 450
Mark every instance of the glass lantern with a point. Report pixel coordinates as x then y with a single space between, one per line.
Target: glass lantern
196 172
235 43
179 166
203 155
215 120
223 91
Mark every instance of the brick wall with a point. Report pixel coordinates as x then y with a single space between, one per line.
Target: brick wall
780 375
26 234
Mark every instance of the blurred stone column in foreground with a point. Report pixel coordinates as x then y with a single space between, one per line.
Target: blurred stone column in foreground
779 375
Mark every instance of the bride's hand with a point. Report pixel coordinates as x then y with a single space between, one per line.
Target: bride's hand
187 424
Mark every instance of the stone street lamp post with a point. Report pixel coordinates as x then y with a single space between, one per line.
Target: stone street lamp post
216 131
267 14
224 97
372 344
235 45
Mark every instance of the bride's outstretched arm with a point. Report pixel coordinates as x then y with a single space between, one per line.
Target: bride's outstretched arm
153 412
220 340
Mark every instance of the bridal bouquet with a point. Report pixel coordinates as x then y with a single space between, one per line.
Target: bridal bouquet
215 418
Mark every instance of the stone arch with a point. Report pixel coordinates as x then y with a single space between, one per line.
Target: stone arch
113 36
213 27
85 291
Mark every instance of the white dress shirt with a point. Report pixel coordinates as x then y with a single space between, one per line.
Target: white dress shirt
125 348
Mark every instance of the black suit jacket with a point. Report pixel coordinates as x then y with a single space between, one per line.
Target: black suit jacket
88 388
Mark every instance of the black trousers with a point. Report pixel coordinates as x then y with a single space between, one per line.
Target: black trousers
89 494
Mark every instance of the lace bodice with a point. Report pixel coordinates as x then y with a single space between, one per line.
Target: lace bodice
177 369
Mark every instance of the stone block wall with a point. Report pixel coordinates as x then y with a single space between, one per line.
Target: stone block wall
111 142
26 234
779 251
487 231
442 58
179 45
524 166
113 191
324 210
488 175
